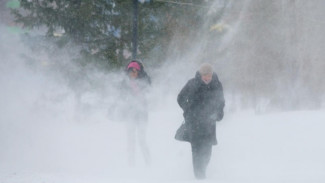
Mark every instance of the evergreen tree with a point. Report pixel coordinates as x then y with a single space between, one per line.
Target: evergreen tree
103 28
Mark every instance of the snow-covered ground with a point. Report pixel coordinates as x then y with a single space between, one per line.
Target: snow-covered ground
53 145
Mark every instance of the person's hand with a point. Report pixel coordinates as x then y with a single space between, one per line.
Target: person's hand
219 116
213 117
216 116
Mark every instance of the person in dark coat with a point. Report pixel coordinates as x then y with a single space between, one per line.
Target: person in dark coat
202 101
135 113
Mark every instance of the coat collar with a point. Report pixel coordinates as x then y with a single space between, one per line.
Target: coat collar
214 82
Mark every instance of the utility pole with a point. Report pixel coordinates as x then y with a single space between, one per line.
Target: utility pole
135 29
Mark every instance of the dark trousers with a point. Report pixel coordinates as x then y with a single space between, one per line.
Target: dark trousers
201 154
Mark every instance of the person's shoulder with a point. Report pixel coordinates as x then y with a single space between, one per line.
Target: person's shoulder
191 80
215 76
191 83
145 78
215 80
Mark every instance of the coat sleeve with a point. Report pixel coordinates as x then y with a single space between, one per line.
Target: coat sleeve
147 78
184 96
220 103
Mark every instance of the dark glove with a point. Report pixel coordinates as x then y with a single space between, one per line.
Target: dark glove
213 117
219 115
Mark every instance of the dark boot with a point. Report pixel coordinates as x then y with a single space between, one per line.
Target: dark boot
201 153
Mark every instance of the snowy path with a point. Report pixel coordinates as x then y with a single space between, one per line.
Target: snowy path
281 147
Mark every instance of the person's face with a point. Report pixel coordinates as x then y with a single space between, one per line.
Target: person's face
206 78
133 73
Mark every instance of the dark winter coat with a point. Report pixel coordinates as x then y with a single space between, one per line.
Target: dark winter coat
133 95
202 105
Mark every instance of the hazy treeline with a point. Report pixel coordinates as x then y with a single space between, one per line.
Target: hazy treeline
268 54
